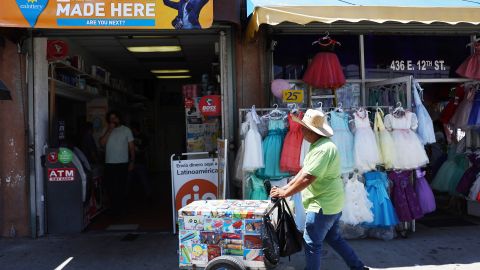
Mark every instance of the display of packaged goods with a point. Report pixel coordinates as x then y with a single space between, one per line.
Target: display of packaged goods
209 229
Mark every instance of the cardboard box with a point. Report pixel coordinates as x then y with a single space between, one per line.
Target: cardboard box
209 229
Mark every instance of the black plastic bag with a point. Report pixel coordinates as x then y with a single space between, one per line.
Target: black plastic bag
290 239
271 249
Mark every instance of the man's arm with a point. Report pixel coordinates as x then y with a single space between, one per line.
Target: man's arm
298 184
131 149
171 4
104 138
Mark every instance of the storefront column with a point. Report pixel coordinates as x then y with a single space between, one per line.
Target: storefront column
251 76
38 124
14 214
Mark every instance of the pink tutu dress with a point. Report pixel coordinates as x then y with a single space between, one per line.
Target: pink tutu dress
470 68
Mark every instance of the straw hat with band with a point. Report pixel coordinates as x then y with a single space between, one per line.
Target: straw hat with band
316 121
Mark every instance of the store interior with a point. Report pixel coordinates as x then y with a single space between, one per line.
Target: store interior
140 77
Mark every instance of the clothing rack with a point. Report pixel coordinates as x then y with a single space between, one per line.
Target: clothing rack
407 81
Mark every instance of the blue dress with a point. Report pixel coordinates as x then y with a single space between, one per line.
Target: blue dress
473 119
384 214
343 139
425 130
272 151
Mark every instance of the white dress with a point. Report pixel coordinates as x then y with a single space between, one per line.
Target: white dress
475 189
239 173
409 151
304 151
358 208
253 156
366 152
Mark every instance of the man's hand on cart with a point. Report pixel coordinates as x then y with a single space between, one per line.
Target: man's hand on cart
277 192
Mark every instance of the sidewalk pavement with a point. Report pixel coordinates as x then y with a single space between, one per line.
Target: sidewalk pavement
428 248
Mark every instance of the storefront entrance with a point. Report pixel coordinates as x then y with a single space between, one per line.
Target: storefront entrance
144 78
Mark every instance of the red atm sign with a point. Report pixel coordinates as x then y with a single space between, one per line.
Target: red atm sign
61 174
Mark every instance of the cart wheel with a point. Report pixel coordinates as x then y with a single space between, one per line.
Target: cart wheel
225 263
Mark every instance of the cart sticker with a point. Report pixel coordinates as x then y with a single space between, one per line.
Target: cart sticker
253 241
199 253
189 237
210 238
193 223
232 236
253 226
233 252
181 224
214 252
253 255
185 254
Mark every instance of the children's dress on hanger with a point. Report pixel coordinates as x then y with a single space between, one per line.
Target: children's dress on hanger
239 173
325 70
343 139
290 159
384 141
425 129
452 170
452 105
404 196
470 68
358 208
366 152
409 151
253 157
258 191
424 193
304 151
470 175
475 190
474 116
383 212
460 118
272 149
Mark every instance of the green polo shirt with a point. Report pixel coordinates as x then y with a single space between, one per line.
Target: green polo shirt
326 192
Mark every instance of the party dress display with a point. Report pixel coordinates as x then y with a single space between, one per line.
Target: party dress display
366 152
343 139
383 212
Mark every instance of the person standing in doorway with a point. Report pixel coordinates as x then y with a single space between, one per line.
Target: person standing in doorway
119 159
322 193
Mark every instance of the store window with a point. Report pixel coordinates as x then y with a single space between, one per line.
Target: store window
430 57
293 52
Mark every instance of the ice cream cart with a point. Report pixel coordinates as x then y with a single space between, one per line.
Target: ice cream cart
222 234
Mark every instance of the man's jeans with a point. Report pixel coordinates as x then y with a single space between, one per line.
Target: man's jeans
321 227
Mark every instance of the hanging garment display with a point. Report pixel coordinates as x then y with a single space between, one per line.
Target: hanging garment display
304 151
470 68
384 141
461 116
325 70
475 190
470 175
239 173
272 149
343 139
404 197
253 157
424 193
452 170
409 152
425 129
299 209
290 158
452 105
357 207
258 191
366 152
474 116
383 212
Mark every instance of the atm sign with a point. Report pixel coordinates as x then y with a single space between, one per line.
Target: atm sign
61 174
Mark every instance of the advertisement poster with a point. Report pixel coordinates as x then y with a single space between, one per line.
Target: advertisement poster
107 14
194 180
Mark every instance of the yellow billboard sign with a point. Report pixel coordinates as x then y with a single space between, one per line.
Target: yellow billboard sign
107 14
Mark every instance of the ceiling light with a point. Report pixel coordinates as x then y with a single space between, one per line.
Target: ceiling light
151 49
175 77
169 71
